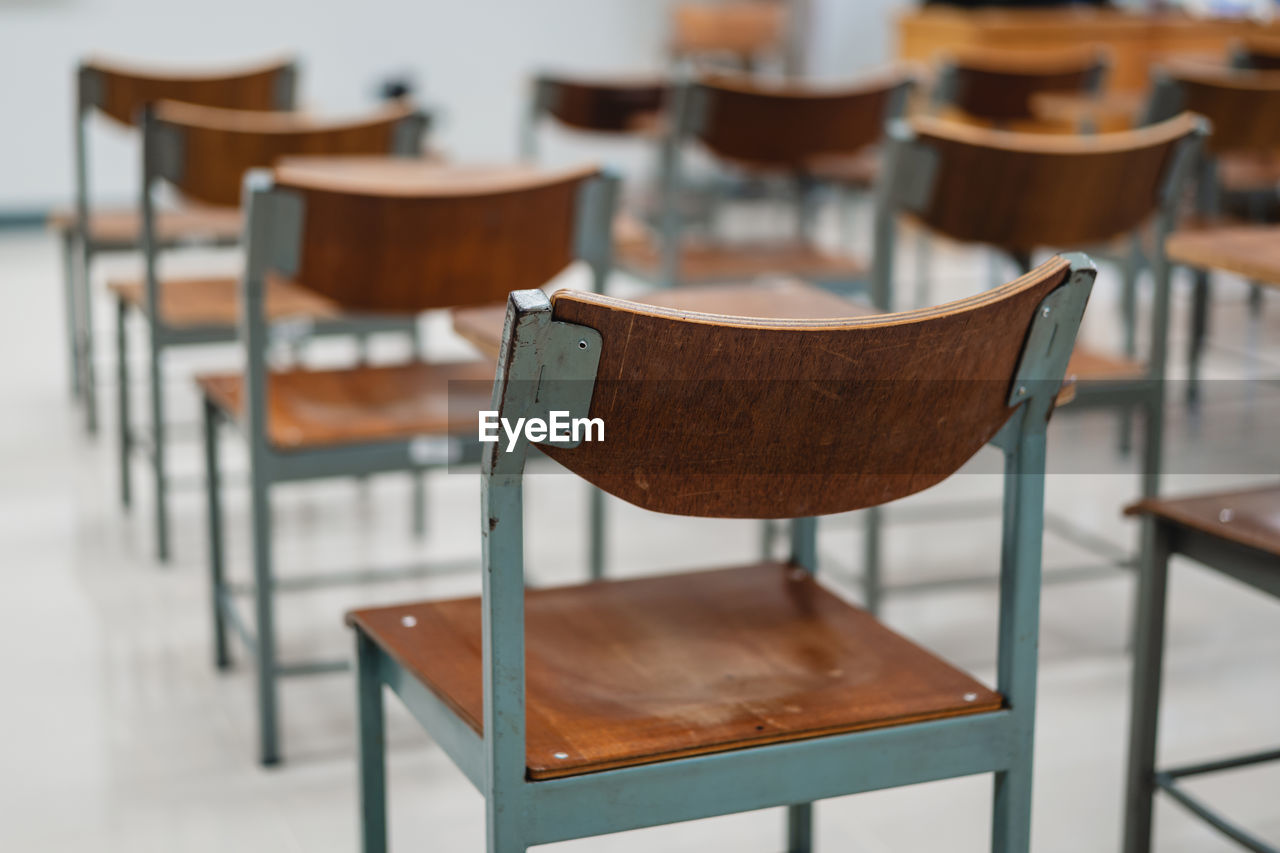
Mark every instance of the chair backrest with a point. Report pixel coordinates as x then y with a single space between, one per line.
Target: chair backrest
997 85
742 29
601 105
409 236
1020 191
1259 52
121 91
1242 106
787 125
736 417
206 151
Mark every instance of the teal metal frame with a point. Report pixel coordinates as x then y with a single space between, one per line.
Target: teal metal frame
273 239
907 183
520 813
79 247
1250 566
161 160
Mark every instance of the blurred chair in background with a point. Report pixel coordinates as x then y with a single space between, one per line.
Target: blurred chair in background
1239 171
1237 534
584 710
788 132
203 153
740 34
386 238
119 92
1257 52
1017 192
609 107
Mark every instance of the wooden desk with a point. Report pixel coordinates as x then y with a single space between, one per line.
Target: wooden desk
1136 41
782 300
1250 251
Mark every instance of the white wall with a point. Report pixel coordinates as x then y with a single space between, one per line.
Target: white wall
470 58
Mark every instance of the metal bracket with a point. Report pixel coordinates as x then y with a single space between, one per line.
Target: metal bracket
166 150
1053 334
593 228
570 357
911 167
282 212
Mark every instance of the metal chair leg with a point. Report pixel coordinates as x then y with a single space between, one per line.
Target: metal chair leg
800 828
124 422
158 451
89 391
419 504
1144 709
872 583
596 545
1011 810
71 310
213 505
373 767
264 612
1199 331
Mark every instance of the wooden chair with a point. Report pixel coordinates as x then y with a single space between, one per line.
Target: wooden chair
1237 534
385 238
119 91
997 87
585 710
758 128
1240 167
1019 191
740 33
1257 52
203 153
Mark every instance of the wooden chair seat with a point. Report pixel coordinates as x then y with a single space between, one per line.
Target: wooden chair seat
123 227
706 262
1090 365
1251 251
638 671
318 408
1244 172
1250 517
189 303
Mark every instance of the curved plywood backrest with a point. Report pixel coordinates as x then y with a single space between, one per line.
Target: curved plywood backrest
744 28
788 125
408 236
1242 106
735 417
603 105
213 148
1259 52
1018 191
998 85
121 91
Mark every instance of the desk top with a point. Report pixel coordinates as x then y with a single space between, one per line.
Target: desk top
1252 251
787 299
418 175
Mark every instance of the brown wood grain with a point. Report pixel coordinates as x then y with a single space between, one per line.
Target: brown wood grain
743 28
315 408
712 262
219 146
409 237
127 89
1251 251
999 85
721 416
785 299
606 105
1242 106
1261 51
1250 517
215 302
123 227
787 125
1066 184
631 672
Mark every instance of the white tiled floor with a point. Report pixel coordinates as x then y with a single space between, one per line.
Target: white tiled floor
119 736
